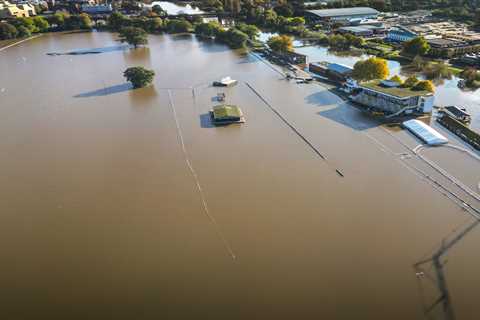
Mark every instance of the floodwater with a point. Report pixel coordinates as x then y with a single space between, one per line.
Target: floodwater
128 204
446 93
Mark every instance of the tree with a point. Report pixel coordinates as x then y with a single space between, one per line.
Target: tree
209 29
232 37
7 31
133 36
410 82
370 69
424 85
84 21
41 23
281 43
116 21
249 29
139 76
416 46
418 63
179 26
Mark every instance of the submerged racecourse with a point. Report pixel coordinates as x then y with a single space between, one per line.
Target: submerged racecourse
128 204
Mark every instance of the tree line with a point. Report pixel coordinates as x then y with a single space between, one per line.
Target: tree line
26 26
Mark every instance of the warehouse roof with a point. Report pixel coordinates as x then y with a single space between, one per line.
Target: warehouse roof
326 13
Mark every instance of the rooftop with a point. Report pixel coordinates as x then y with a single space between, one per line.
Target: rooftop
226 111
325 13
394 91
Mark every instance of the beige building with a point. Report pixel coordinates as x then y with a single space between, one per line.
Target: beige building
10 10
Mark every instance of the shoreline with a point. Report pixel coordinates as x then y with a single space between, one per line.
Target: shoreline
19 41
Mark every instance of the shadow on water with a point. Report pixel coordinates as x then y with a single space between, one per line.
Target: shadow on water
90 51
431 270
206 121
106 91
323 98
350 117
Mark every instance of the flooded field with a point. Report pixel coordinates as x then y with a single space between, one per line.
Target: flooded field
129 204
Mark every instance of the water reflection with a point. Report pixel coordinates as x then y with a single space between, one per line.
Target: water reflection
136 55
143 96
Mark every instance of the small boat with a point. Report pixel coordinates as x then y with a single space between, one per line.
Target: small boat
225 82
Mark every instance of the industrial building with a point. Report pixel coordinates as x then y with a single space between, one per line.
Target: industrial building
390 98
400 34
333 71
344 15
426 133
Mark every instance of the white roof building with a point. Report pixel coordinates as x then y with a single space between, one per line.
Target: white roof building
426 133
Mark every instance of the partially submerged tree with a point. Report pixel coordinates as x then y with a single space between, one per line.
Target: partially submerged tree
370 69
281 43
139 76
133 36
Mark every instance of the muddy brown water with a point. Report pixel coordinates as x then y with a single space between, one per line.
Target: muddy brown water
102 218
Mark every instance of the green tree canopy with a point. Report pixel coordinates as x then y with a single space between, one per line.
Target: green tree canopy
249 29
179 26
139 76
41 23
116 21
281 43
208 29
7 31
232 37
416 46
370 69
133 36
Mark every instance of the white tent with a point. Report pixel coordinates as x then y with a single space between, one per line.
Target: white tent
429 135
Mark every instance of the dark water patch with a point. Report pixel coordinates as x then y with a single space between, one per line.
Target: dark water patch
106 91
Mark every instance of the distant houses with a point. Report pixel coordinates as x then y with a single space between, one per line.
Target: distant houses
10 10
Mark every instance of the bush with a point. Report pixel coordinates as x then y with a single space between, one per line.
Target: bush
410 82
422 85
7 31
